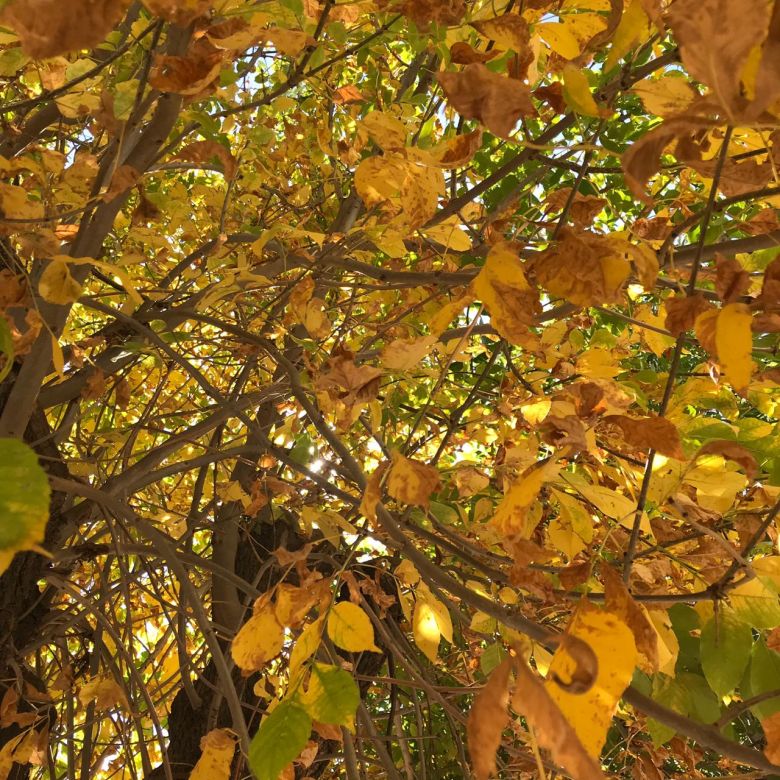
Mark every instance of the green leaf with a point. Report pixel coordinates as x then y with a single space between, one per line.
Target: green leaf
725 651
24 499
669 692
764 677
6 347
282 736
333 695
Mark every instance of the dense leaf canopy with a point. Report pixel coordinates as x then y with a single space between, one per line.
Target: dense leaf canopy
388 389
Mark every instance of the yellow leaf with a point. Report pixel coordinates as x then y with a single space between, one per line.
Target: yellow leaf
289 42
511 517
590 713
634 26
512 302
218 747
431 622
450 235
560 39
385 130
402 355
411 482
258 641
56 285
577 94
668 646
350 628
304 648
666 96
441 320
104 691
572 531
734 344
550 726
509 31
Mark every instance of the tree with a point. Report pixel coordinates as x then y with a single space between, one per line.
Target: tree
389 388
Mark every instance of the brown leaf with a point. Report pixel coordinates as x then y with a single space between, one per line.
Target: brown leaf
442 12
682 311
373 492
552 94
193 74
642 159
736 178
411 482
583 208
533 581
656 433
509 31
458 151
771 726
47 28
582 267
495 100
762 223
552 731
564 432
655 229
587 664
619 601
488 718
770 288
773 640
180 12
125 177
202 152
588 398
732 280
732 451
463 54
715 38
347 381
348 94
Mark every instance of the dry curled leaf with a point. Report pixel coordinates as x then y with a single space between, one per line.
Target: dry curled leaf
463 54
488 718
496 101
411 482
619 601
731 450
552 730
682 312
203 152
656 433
193 74
47 28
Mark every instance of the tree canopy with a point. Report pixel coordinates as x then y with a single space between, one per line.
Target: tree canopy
388 388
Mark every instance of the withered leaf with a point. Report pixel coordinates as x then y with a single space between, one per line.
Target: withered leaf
488 718
193 74
411 482
47 28
620 601
655 433
582 267
771 726
732 280
202 152
715 38
496 101
552 730
463 54
682 311
731 450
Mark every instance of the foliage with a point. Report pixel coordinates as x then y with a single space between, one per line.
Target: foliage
389 387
